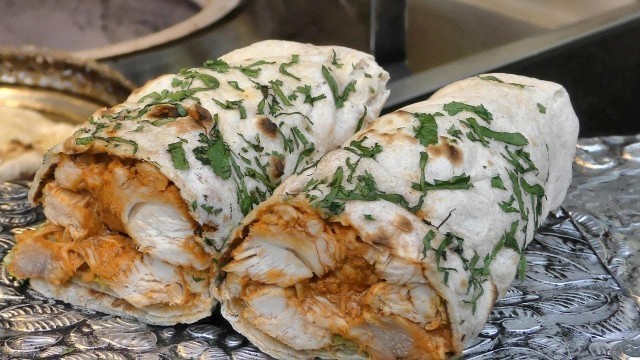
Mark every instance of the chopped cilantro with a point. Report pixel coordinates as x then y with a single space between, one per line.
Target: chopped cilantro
368 217
209 81
207 208
308 98
426 241
275 85
334 60
427 129
496 182
456 107
234 84
338 99
507 206
493 78
283 67
252 70
178 156
361 120
541 108
361 150
536 189
217 65
214 152
482 132
233 105
518 193
455 132
85 140
458 182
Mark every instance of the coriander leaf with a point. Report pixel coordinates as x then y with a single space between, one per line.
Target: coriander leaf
427 129
361 120
217 65
233 105
284 67
85 140
161 122
493 78
482 132
536 189
361 150
426 241
337 98
516 158
496 182
209 81
368 217
119 140
207 208
275 85
456 107
214 152
458 182
308 98
334 60
234 84
178 156
541 108
194 205
518 193
507 206
454 132
252 70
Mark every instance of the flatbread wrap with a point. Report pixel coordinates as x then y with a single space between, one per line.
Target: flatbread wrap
140 201
398 244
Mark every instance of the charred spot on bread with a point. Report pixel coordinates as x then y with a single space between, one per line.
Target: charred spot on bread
162 111
201 116
445 149
267 126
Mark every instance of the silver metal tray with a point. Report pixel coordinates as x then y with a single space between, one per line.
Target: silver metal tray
570 306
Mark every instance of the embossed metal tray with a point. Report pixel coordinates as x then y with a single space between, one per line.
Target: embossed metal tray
570 306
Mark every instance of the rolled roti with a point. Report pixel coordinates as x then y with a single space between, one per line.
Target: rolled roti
140 201
398 244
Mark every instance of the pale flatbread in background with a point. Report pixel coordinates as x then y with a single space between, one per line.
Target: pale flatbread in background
25 136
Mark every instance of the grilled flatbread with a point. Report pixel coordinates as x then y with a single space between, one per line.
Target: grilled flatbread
140 201
398 244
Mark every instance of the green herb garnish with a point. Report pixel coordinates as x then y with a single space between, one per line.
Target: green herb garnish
284 67
338 99
456 107
427 129
178 156
496 182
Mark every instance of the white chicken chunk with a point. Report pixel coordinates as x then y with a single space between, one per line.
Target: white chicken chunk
415 302
160 230
271 310
71 210
268 263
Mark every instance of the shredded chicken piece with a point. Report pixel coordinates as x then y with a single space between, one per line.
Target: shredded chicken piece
117 224
361 294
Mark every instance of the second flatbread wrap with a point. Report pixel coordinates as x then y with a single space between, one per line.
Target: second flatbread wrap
398 244
141 199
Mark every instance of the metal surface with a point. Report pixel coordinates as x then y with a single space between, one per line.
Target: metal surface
568 307
605 203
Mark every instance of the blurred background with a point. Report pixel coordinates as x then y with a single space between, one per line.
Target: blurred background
590 46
